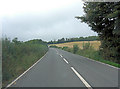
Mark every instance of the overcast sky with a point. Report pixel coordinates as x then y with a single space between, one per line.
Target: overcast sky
43 19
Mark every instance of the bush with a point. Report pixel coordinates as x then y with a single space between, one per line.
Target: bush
67 49
87 46
64 48
53 46
75 48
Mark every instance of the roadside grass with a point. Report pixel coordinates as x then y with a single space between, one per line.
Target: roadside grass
95 55
89 52
18 57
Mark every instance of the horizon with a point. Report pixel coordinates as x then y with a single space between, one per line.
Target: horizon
42 39
40 20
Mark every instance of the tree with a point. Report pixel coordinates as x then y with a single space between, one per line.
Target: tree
15 40
104 18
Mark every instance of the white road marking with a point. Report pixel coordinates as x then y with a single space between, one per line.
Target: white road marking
65 60
56 51
61 56
102 63
82 79
14 82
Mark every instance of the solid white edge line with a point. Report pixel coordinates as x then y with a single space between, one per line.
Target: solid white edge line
24 73
101 63
65 60
61 56
82 79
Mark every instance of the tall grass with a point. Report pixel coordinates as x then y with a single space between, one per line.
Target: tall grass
19 56
89 52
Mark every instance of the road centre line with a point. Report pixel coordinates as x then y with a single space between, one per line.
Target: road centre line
65 60
81 78
61 56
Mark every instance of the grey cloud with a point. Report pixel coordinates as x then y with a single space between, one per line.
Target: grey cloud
47 26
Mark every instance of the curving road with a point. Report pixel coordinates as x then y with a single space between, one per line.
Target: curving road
59 68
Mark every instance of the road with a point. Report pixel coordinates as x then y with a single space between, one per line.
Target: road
59 68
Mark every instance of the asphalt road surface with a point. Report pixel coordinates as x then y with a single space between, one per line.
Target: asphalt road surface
59 68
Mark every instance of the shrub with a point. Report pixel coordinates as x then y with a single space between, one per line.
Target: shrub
53 46
75 48
86 46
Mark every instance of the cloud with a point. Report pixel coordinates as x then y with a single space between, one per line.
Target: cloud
48 25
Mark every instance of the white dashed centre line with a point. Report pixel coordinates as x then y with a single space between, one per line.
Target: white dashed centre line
82 79
61 56
65 60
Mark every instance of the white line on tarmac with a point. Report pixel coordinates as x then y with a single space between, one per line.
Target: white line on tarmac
61 56
24 73
82 79
102 63
65 60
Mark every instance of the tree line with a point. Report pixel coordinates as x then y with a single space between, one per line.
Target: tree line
104 18
64 40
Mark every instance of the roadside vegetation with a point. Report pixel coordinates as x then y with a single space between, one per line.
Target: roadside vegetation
89 52
18 56
94 44
104 18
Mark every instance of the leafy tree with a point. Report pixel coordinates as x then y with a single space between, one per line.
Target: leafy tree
15 40
104 18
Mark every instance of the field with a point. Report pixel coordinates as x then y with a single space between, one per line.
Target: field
94 44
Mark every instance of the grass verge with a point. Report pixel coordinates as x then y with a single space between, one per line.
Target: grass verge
91 53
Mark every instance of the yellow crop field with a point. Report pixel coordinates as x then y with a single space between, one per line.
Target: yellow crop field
94 44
